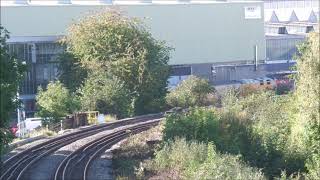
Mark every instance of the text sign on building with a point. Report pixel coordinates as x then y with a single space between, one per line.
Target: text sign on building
252 12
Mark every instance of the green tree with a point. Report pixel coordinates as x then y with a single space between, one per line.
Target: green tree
193 91
11 74
55 102
106 95
71 73
122 47
308 98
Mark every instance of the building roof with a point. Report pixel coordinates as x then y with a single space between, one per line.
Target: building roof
270 16
290 15
114 2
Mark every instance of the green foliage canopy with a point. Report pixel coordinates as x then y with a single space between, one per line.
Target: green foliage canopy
55 103
190 92
71 73
106 95
11 74
112 43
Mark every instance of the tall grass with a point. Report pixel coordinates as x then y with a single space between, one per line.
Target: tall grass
195 160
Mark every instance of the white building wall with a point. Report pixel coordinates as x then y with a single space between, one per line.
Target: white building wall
202 32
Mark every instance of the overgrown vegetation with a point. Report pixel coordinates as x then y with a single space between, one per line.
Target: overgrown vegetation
308 100
112 46
247 126
55 103
11 74
191 92
71 73
128 159
180 159
106 95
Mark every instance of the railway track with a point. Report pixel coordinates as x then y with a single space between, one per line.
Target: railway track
16 166
77 164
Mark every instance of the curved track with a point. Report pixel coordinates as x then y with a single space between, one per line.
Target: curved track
77 164
17 165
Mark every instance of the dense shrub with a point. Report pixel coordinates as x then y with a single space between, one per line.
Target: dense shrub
198 124
193 160
248 89
191 92
267 131
308 94
257 126
106 95
55 102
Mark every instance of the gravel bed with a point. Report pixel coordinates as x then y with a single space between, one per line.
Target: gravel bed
101 168
29 143
23 147
45 168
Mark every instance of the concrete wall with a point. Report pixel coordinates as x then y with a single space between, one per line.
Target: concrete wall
228 73
200 32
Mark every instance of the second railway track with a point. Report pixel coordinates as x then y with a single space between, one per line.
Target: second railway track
77 164
16 166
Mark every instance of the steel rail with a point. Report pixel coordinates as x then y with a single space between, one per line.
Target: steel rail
79 160
15 166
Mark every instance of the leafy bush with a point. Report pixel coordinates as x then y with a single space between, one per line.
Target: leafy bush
199 124
308 94
190 92
106 95
248 89
55 102
193 160
267 132
251 126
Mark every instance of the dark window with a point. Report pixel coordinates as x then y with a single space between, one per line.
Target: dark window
180 71
309 29
282 30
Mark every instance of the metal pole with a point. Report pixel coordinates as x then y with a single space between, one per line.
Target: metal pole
256 57
19 114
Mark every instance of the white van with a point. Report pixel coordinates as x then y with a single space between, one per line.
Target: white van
29 125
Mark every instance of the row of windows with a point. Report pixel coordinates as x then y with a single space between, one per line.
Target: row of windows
41 60
288 29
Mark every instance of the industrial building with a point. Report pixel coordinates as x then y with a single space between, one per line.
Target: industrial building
222 40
